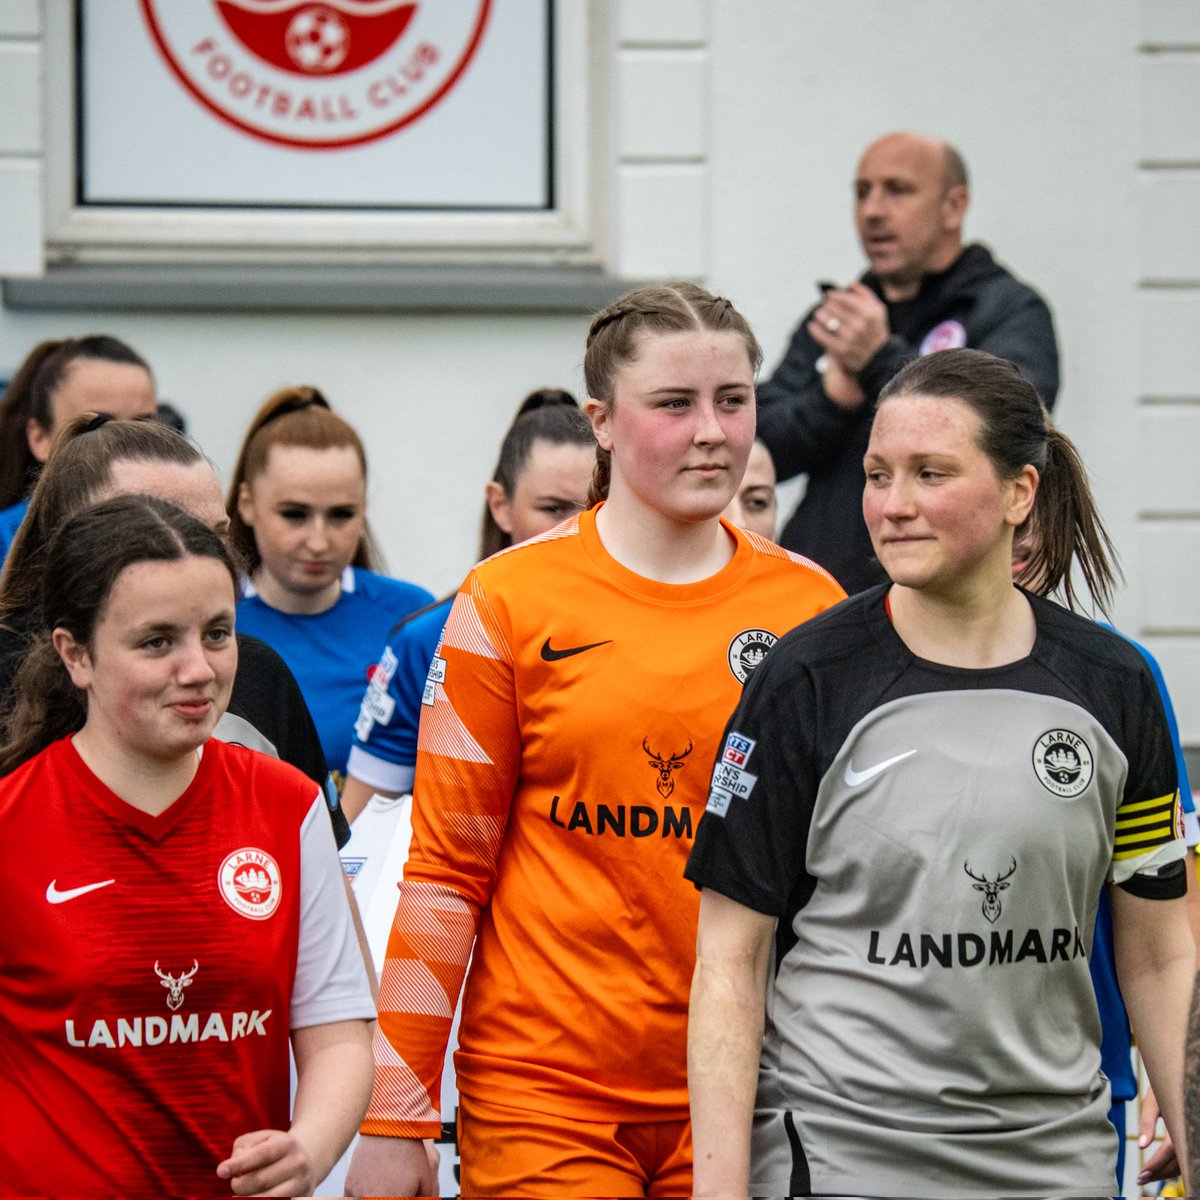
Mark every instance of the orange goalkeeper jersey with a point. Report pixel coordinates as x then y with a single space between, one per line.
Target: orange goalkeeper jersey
573 713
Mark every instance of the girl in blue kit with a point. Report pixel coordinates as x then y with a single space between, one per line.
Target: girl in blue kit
297 510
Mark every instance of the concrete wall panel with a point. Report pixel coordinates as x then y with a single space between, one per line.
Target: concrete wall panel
1170 131
1168 576
21 227
662 22
20 98
1169 343
1167 468
661 213
661 103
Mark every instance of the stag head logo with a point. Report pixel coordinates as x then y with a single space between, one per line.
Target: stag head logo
991 888
665 765
175 984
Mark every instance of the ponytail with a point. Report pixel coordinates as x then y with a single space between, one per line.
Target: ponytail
18 468
44 706
1067 529
1015 431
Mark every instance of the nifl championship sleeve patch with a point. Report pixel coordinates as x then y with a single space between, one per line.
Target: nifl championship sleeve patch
730 777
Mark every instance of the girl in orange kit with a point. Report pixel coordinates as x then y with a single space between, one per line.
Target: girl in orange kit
575 703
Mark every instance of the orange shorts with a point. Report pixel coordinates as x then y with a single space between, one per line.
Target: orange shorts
514 1152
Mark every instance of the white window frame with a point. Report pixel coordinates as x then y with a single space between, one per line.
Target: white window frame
568 234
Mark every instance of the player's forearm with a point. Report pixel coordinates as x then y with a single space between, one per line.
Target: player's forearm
1158 1014
725 1027
1192 1087
427 955
724 1040
334 1072
1156 963
355 795
1193 900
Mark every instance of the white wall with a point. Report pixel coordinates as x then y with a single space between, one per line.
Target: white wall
20 137
1043 116
1167 561
432 396
735 128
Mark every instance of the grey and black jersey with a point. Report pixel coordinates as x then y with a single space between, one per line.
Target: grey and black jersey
934 841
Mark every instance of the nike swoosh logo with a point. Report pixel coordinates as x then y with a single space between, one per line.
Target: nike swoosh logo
552 655
54 896
857 778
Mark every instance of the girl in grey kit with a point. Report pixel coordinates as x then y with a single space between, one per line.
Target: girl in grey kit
917 803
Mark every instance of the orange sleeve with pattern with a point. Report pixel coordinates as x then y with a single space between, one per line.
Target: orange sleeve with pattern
468 752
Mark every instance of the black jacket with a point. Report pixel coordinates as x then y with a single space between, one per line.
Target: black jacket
807 433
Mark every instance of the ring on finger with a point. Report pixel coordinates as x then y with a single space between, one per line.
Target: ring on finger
833 324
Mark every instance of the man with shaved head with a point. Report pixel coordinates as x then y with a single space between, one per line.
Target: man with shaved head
924 290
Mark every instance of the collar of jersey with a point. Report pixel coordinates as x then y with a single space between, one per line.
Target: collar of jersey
154 827
348 582
703 591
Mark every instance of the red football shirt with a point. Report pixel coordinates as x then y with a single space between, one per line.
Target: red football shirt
146 971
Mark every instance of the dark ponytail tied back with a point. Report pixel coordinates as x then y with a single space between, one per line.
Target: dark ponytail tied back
1064 529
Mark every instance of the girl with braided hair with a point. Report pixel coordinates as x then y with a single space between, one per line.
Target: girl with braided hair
582 679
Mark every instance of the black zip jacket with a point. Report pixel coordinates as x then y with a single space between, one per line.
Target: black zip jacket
807 433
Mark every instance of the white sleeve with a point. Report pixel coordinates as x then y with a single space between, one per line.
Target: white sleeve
1191 828
380 774
331 979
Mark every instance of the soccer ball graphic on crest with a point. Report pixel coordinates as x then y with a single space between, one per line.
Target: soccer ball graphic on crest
317 39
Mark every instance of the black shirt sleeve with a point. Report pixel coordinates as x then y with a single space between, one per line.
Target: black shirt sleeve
1152 777
750 844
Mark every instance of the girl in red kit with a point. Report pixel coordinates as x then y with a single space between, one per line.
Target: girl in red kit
164 960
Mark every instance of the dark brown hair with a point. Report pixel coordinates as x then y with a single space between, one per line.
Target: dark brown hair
30 396
613 341
1016 432
292 416
549 415
83 562
78 471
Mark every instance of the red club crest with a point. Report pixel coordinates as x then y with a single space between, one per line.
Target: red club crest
250 883
317 39
323 75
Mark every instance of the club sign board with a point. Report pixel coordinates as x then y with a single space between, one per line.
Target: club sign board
294 102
